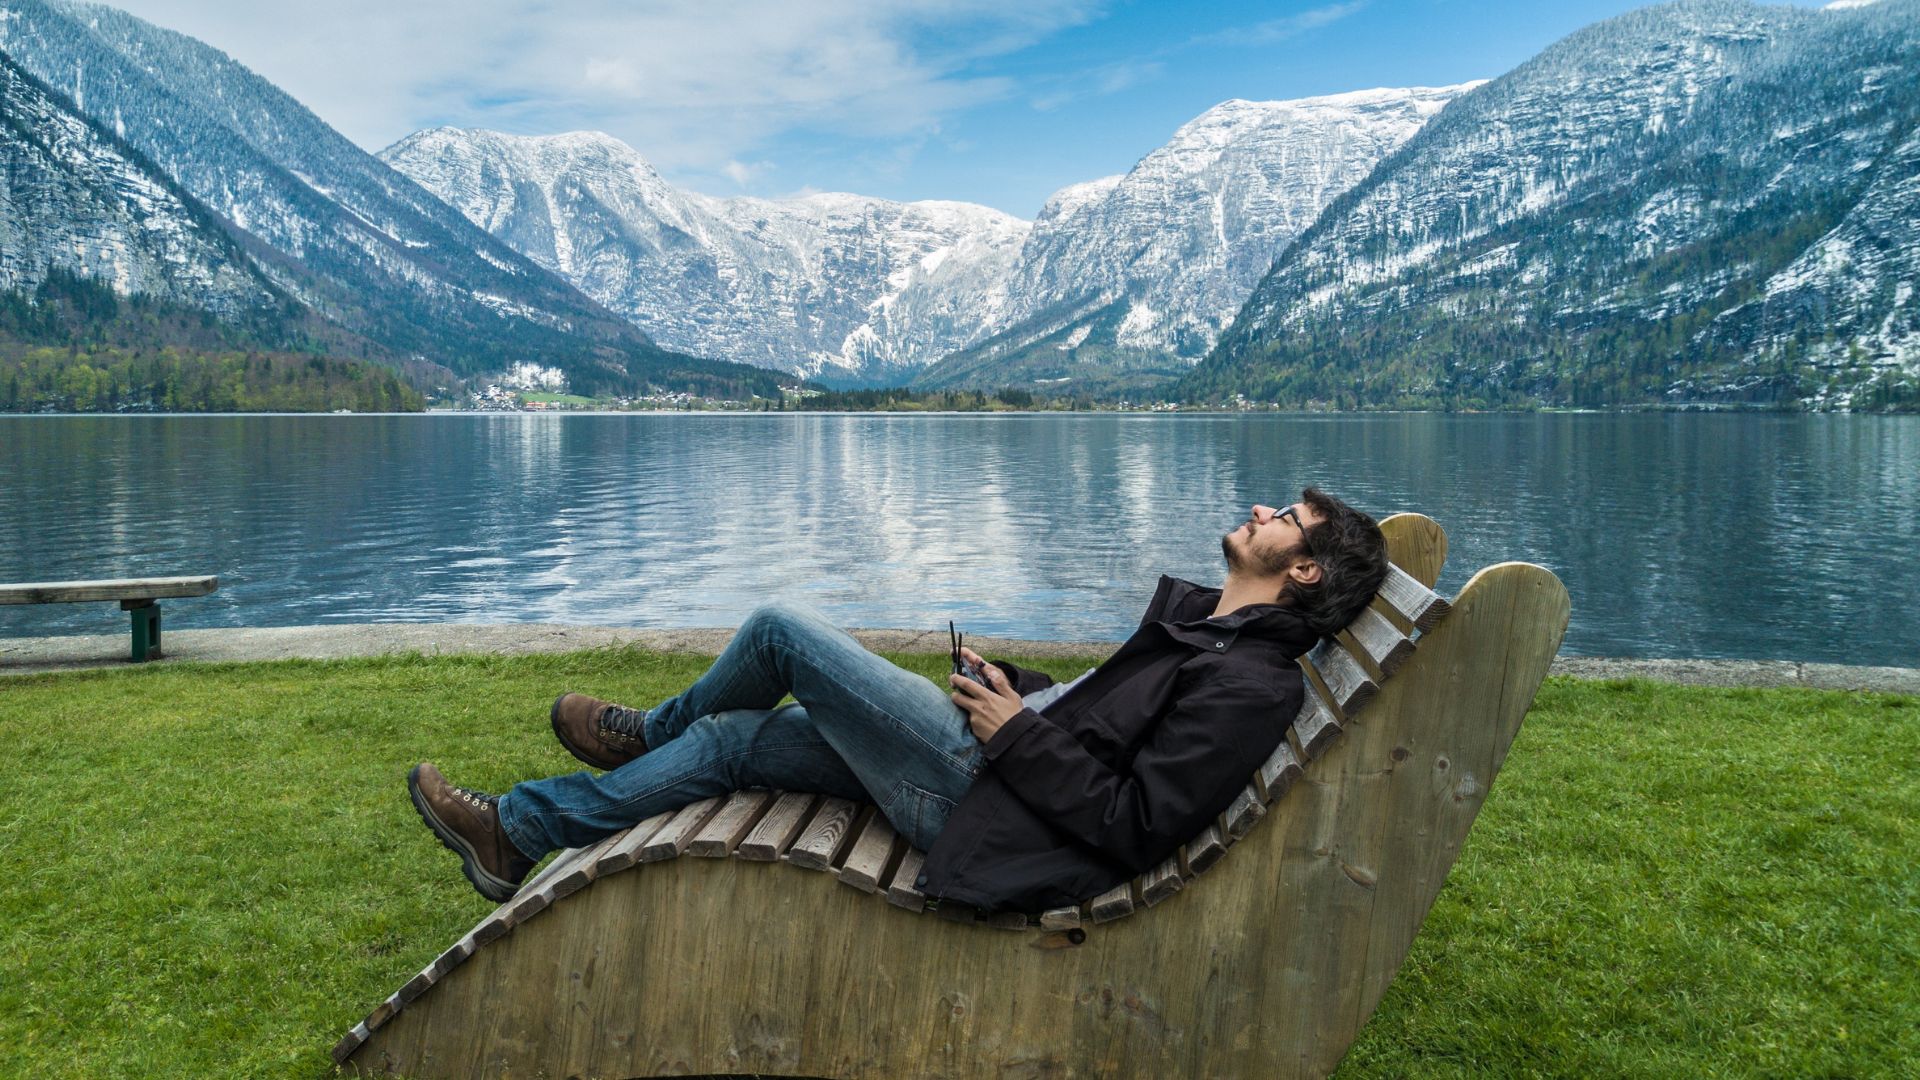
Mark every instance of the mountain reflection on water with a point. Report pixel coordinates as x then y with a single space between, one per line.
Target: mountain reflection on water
1679 535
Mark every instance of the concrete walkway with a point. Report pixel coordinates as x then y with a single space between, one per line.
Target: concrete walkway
23 656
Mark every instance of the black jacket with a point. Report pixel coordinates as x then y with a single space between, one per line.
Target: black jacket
1109 780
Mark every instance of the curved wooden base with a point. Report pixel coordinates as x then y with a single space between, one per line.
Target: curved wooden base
1266 966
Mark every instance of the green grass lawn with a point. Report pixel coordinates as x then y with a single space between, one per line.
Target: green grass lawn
214 870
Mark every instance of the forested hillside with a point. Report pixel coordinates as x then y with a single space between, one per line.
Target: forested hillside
43 379
71 344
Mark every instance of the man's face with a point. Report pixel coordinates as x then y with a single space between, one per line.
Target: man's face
1269 542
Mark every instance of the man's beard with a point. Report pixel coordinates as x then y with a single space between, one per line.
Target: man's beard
1265 564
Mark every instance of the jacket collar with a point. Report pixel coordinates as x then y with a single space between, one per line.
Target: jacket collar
1183 609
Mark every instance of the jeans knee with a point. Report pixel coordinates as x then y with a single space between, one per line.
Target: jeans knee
781 615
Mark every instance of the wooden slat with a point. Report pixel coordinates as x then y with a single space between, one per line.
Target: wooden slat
777 828
735 818
584 870
823 837
672 839
413 988
1418 604
555 867
496 925
437 969
1162 881
1061 918
1394 618
867 861
1007 920
1241 814
625 849
536 895
1207 848
1114 903
1348 683
1282 767
904 890
348 1043
1381 642
382 1013
455 955
1316 726
69 592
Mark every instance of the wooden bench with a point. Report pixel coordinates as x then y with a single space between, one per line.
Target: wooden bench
138 596
671 948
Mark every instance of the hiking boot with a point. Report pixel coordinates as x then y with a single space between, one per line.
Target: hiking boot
600 733
468 823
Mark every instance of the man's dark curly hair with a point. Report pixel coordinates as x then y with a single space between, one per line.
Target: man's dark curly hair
1352 554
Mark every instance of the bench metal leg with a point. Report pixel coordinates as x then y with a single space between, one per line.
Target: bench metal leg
146 628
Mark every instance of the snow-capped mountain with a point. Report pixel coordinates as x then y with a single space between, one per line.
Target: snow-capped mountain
834 284
869 290
1703 201
74 198
1706 201
1159 260
337 230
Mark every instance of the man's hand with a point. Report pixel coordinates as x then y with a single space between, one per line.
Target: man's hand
987 707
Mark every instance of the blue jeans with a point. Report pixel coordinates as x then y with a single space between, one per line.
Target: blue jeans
858 727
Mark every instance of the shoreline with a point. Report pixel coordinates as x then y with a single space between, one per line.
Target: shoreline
40 655
736 408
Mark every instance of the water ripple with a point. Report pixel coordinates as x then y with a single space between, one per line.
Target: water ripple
1733 536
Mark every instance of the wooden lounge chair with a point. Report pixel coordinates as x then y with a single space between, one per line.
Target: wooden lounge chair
1259 950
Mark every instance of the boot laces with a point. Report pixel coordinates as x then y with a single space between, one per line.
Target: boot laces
475 798
618 720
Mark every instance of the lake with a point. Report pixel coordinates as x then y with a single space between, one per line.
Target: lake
1678 535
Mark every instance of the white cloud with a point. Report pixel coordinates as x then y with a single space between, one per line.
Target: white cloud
1105 79
1274 31
692 84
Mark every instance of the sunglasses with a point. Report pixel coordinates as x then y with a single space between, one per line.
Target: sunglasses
1294 516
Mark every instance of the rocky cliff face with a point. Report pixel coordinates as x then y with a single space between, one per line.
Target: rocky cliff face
1699 202
832 284
74 198
1187 233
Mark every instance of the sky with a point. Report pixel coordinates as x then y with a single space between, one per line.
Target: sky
1000 102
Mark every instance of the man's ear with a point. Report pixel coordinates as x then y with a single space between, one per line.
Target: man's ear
1306 572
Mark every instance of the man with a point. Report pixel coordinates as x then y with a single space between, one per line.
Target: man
1028 795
